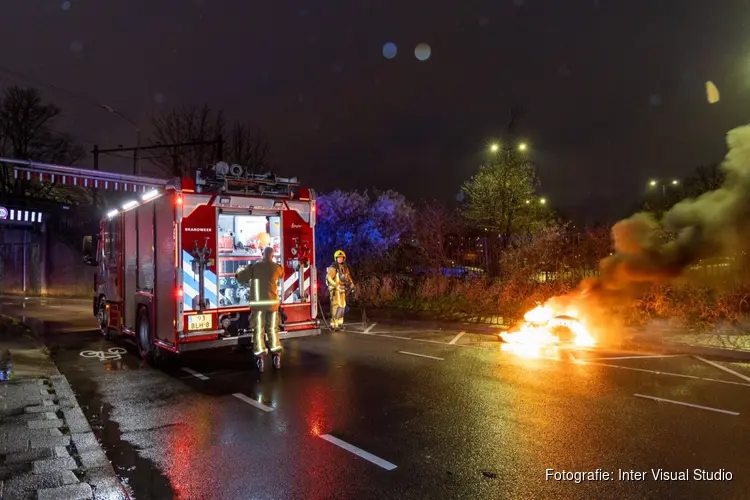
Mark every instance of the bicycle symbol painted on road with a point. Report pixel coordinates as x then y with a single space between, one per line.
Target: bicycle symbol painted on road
113 353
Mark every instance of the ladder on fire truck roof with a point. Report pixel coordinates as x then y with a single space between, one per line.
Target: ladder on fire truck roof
220 177
84 177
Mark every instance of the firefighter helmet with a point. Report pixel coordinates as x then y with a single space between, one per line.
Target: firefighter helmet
339 253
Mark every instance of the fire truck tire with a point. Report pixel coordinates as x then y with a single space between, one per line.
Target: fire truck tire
145 338
102 316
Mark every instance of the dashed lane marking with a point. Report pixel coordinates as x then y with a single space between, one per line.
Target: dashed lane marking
386 335
252 402
662 400
455 339
359 452
194 373
421 355
728 370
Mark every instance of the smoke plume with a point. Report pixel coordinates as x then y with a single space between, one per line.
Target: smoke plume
715 224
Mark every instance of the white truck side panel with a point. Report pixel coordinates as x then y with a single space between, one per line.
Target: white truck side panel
165 268
130 259
146 247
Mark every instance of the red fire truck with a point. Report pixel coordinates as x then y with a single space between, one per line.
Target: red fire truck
166 259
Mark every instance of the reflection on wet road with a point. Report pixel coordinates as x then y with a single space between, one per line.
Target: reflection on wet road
401 413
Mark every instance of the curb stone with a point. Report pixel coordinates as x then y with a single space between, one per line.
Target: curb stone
47 448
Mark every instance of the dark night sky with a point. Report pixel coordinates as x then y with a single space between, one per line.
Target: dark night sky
614 90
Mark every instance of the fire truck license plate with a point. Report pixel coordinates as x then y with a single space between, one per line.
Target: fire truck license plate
199 322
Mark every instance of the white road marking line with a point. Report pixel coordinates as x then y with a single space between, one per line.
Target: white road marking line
367 330
431 341
420 340
728 370
195 374
421 355
251 401
642 357
455 339
662 400
359 452
580 362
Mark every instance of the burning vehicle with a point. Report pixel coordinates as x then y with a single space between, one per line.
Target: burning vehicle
547 327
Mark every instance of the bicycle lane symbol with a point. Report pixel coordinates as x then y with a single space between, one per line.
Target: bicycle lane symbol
111 354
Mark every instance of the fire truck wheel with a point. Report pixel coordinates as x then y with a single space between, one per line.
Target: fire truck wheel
145 338
102 316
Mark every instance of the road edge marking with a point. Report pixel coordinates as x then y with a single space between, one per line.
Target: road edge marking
455 339
385 464
252 402
421 355
728 370
580 362
194 373
367 330
691 405
640 357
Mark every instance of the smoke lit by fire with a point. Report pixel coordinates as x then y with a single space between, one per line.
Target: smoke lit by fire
648 250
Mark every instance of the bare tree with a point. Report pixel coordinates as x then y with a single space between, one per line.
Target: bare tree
245 145
248 148
26 133
436 225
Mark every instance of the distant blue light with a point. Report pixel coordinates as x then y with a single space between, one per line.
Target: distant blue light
390 50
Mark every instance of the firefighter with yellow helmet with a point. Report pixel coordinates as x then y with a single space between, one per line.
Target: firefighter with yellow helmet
264 277
339 280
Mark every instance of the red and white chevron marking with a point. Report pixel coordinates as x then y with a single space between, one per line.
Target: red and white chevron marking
291 285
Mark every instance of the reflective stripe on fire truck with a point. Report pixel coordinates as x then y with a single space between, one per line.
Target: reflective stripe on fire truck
190 282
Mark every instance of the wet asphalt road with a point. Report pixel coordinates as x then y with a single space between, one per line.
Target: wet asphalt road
470 421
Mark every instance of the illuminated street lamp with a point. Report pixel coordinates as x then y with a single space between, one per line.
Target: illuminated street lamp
653 183
495 147
543 201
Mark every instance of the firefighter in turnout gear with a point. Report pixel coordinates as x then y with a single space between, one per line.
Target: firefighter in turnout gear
339 280
264 277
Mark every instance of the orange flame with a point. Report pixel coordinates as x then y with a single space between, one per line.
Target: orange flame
537 331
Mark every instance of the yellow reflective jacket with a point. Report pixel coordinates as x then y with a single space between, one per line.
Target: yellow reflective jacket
265 276
339 275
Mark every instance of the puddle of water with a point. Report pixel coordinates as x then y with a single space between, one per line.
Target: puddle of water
141 477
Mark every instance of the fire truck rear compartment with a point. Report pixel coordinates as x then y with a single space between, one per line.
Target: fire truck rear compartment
140 253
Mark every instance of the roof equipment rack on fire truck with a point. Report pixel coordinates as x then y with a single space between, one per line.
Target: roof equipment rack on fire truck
225 178
85 177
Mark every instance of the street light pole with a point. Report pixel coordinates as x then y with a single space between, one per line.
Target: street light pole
136 169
